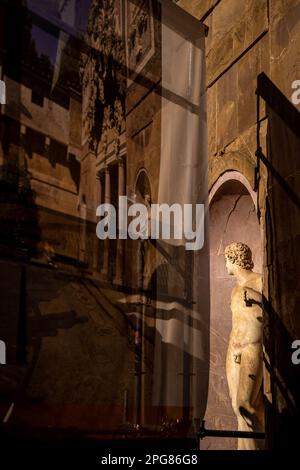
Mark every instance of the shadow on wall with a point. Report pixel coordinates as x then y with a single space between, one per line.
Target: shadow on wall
282 294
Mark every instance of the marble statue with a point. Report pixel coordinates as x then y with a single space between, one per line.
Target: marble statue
244 361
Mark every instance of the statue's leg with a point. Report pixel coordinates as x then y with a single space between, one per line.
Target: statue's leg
249 396
250 380
245 444
232 373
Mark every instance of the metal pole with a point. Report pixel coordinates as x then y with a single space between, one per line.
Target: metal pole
203 432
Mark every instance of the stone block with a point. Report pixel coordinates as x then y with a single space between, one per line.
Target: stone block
235 26
75 122
238 155
209 36
227 108
226 16
248 68
212 119
197 8
256 21
280 8
285 54
219 58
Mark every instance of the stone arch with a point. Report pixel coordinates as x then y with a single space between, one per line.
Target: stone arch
142 186
233 217
232 175
240 160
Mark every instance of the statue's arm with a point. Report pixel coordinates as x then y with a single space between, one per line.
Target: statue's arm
253 292
252 296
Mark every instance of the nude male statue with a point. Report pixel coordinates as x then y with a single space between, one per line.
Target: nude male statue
244 361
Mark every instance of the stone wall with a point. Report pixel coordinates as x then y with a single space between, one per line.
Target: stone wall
77 360
245 39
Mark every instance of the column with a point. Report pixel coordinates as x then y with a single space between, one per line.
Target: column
97 258
82 231
119 278
106 244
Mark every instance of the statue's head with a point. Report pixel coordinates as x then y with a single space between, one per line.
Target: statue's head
238 255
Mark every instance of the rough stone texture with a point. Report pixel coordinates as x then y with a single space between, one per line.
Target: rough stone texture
49 134
248 68
235 26
143 142
227 124
282 289
79 353
75 123
285 54
235 110
197 8
212 120
52 119
280 8
239 155
90 191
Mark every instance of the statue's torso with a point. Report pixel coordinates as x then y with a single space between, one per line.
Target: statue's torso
246 321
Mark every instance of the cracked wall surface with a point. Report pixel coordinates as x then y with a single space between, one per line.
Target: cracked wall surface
232 218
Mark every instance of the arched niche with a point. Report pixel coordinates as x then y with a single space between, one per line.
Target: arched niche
142 186
232 218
